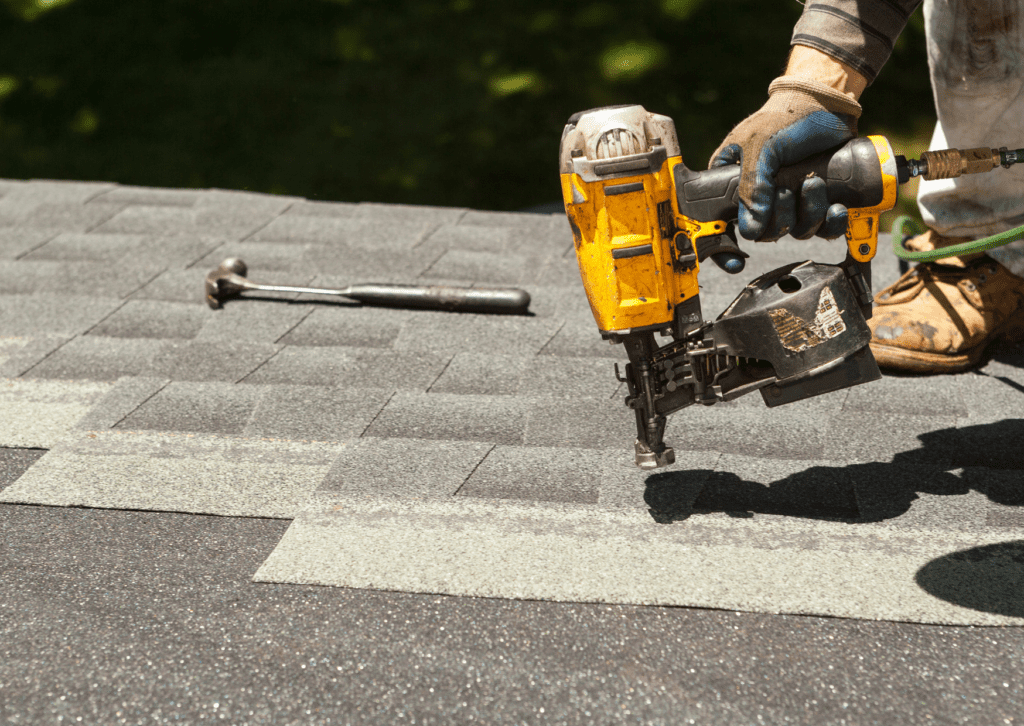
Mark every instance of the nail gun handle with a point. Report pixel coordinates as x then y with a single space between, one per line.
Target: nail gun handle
501 301
852 172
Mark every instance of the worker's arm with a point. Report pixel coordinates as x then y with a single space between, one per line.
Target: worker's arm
838 48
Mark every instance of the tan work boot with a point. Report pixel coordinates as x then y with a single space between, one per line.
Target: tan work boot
940 316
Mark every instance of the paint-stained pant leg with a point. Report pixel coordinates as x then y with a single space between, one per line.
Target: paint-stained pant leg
976 58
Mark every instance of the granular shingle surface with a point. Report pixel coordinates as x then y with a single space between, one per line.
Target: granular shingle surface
436 455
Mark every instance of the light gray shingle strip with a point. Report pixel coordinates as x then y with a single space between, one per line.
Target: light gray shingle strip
19 354
38 413
576 553
163 471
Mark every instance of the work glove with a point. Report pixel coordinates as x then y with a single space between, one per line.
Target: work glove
801 118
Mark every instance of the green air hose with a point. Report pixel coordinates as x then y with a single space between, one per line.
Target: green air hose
899 236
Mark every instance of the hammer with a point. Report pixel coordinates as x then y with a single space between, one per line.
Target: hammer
229 280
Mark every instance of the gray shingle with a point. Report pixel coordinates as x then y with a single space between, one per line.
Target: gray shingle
216 220
147 196
55 191
439 332
76 247
19 354
347 325
542 474
315 413
374 467
778 433
909 395
420 214
867 436
16 242
70 217
216 408
49 314
102 359
486 267
211 360
313 208
251 319
79 278
154 319
175 286
584 423
495 419
579 338
472 372
564 377
996 390
350 367
116 248
127 395
15 462
345 230
270 263
476 238
340 264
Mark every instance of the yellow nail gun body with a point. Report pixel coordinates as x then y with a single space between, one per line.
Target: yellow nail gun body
643 223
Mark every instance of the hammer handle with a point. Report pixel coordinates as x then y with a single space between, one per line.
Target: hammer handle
505 301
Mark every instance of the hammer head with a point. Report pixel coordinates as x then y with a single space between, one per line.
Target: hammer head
227 280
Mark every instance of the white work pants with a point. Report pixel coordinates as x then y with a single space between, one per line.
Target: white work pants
976 58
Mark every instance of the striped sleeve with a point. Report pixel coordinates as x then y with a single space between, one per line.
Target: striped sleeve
859 33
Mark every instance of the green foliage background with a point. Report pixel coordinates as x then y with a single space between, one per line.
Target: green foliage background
447 102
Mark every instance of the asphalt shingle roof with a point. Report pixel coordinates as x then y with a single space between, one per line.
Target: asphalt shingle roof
471 454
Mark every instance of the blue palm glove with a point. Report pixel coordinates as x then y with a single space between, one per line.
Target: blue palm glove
801 118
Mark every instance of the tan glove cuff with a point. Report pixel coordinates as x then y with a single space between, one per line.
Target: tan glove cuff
829 98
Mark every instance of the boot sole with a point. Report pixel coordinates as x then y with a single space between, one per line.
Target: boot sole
917 361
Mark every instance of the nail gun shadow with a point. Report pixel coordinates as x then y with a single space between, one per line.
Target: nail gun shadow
867 492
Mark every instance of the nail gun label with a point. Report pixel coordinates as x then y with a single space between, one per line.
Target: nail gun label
797 334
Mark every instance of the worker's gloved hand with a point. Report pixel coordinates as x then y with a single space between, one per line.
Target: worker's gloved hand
801 118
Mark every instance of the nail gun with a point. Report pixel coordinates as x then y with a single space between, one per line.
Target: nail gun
643 222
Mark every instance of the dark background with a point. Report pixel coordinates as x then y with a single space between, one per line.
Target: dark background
453 102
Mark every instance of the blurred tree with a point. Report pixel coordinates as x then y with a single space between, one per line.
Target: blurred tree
448 102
